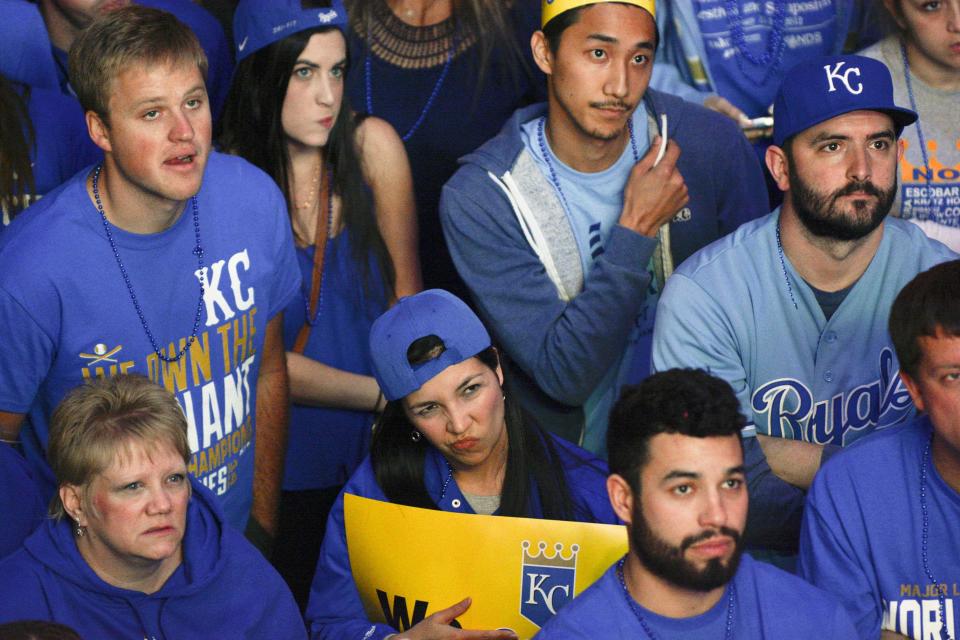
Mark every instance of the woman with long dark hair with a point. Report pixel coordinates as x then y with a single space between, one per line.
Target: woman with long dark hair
16 131
43 143
448 439
347 185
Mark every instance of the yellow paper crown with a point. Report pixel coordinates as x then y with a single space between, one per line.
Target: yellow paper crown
553 8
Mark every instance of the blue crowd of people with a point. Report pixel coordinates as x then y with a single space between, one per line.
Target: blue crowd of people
683 267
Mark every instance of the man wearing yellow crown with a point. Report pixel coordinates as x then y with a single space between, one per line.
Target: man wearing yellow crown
565 225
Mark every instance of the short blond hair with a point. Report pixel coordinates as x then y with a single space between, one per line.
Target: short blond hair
101 420
121 39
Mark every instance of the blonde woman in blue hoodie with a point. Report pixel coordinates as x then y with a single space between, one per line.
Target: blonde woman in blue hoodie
134 547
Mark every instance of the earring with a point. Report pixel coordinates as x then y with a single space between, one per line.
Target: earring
415 436
80 530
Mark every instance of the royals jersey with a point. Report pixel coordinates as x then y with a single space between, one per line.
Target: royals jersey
67 314
739 310
862 536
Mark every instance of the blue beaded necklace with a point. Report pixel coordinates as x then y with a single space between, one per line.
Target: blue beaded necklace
783 267
446 482
771 58
731 605
925 531
368 79
542 141
312 318
927 169
197 251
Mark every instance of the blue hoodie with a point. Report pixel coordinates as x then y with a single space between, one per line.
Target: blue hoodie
563 339
223 589
21 500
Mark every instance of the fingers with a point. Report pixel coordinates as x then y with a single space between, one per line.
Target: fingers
448 615
756 134
437 626
486 635
646 162
667 164
671 156
654 195
724 106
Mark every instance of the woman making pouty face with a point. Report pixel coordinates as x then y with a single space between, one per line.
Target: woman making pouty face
448 439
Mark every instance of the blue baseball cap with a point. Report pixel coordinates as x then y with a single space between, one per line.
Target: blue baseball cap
818 89
259 23
433 312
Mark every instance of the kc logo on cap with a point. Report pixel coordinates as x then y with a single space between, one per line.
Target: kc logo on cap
818 89
834 74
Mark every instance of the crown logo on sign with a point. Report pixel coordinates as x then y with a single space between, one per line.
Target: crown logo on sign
556 560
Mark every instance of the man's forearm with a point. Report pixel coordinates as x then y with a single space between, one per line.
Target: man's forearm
271 436
793 461
10 424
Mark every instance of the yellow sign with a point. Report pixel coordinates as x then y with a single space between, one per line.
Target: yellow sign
409 563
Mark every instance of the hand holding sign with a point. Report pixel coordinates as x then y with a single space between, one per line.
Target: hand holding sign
437 627
518 571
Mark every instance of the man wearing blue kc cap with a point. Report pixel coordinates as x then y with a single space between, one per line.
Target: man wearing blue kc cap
791 309
448 439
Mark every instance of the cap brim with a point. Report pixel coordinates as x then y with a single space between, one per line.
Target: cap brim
901 118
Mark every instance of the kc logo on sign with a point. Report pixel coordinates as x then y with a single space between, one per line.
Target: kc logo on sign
547 583
834 74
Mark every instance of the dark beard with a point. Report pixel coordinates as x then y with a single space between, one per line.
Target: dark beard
668 563
817 213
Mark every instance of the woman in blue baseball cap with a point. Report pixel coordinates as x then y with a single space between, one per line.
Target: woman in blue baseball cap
449 439
349 193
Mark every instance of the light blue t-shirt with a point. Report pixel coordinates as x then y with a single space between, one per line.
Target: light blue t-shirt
594 202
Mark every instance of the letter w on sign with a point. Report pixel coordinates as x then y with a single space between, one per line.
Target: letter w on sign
399 618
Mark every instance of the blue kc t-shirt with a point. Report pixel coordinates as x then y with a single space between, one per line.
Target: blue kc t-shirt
768 604
68 316
803 29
